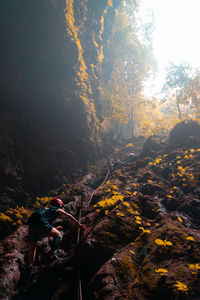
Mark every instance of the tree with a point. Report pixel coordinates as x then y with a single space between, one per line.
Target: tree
192 96
131 62
177 79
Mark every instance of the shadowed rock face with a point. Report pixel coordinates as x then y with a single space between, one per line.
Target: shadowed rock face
142 237
45 138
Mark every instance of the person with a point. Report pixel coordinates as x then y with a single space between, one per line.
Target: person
40 225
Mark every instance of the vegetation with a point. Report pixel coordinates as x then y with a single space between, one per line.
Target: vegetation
182 86
132 60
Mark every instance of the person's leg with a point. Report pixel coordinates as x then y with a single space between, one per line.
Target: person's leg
57 238
32 246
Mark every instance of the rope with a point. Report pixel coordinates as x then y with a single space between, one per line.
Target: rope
103 182
80 294
110 169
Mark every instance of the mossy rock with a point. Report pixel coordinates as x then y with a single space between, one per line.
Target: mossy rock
183 131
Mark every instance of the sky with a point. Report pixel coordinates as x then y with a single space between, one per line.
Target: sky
176 36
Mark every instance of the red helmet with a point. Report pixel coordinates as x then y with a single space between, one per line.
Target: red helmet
56 202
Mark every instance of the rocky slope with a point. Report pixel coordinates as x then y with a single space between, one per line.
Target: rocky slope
142 237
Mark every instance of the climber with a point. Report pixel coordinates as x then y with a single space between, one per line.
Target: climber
40 226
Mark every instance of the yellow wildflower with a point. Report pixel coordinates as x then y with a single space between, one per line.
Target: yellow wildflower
111 201
127 192
168 243
190 238
181 286
161 271
194 267
114 187
145 230
120 214
179 218
138 222
163 243
160 242
4 217
126 204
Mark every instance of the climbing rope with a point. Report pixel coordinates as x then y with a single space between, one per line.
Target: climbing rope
80 294
109 171
103 182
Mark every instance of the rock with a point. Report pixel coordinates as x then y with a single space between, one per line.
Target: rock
183 134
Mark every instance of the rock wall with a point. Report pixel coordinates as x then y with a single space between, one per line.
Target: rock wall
51 56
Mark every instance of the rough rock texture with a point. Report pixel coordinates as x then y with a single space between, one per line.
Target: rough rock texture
49 107
141 242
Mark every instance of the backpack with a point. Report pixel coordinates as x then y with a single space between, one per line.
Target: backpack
36 216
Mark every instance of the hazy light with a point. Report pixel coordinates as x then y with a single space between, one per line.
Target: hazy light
176 35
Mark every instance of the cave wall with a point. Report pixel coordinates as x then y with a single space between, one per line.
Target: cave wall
50 62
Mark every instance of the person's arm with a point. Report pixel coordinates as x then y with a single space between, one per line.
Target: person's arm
70 217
